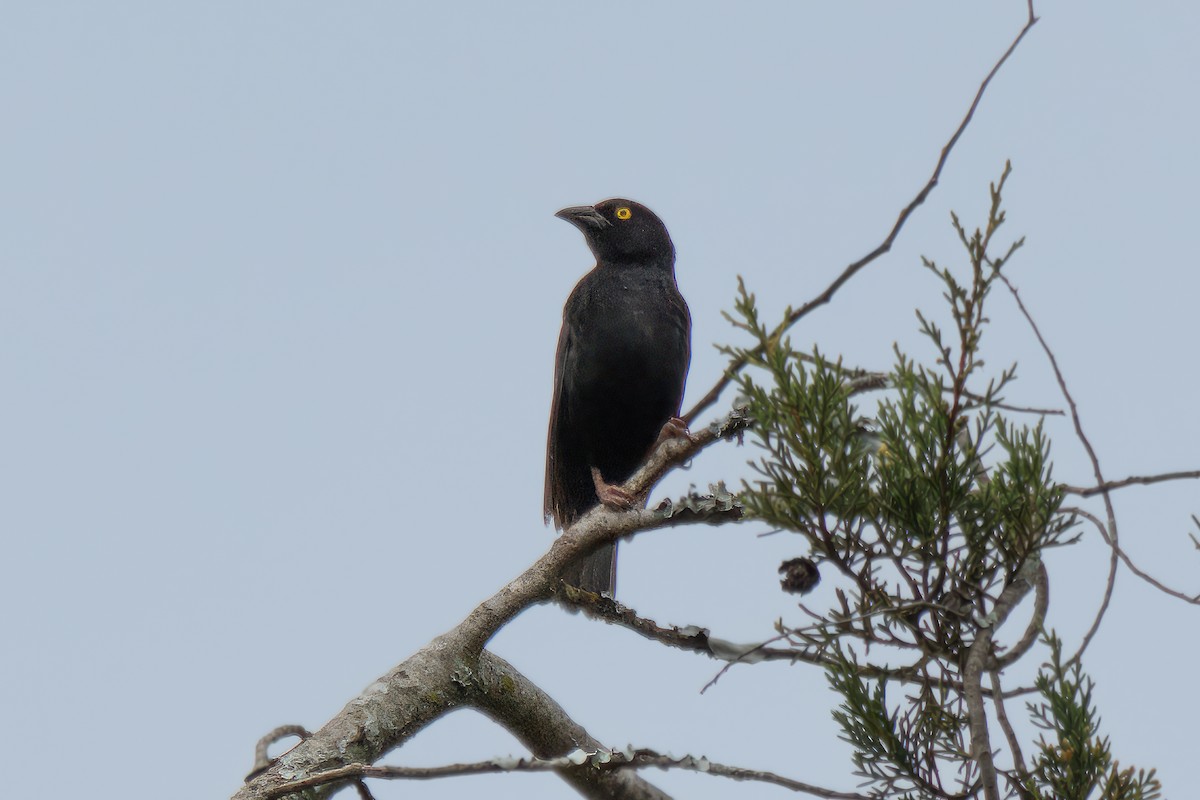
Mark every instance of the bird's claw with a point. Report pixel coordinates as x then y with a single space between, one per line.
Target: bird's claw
674 428
611 495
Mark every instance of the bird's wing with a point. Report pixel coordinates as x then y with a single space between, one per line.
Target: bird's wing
555 496
684 315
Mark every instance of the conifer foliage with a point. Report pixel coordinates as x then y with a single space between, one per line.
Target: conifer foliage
929 512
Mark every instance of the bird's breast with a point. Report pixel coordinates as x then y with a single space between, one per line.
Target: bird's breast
627 324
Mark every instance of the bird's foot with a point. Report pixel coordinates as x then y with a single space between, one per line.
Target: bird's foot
611 495
675 428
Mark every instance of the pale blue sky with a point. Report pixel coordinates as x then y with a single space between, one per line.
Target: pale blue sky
280 287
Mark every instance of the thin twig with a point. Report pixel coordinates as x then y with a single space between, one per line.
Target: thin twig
688 637
1193 599
697 639
760 653
849 272
1111 526
1142 480
1041 412
861 380
600 760
651 759
1014 743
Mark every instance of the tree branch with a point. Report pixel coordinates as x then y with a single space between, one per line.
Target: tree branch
1111 525
599 760
1041 604
977 658
541 724
262 755
697 639
1143 480
437 678
692 638
849 272
492 686
1120 553
1014 744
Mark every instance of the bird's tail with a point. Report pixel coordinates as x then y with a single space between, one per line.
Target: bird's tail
596 572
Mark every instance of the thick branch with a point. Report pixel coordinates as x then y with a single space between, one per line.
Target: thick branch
977 659
543 726
602 525
498 690
435 679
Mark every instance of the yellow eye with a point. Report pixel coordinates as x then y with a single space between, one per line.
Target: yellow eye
624 213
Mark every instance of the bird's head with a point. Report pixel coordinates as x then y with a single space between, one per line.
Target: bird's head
622 231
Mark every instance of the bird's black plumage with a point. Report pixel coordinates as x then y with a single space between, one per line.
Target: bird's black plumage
622 360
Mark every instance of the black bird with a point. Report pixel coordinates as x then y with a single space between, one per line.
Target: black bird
622 360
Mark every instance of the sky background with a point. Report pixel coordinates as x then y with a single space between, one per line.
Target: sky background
280 286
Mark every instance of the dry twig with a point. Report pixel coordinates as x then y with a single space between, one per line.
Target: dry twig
601 760
886 245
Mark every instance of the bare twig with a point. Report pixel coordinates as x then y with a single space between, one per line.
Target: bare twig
763 653
1111 525
689 637
1141 480
1148 578
1014 744
697 639
600 760
650 758
1041 412
886 245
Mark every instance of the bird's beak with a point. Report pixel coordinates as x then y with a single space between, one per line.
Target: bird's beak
584 217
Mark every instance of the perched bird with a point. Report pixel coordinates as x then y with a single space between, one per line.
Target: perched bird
622 360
